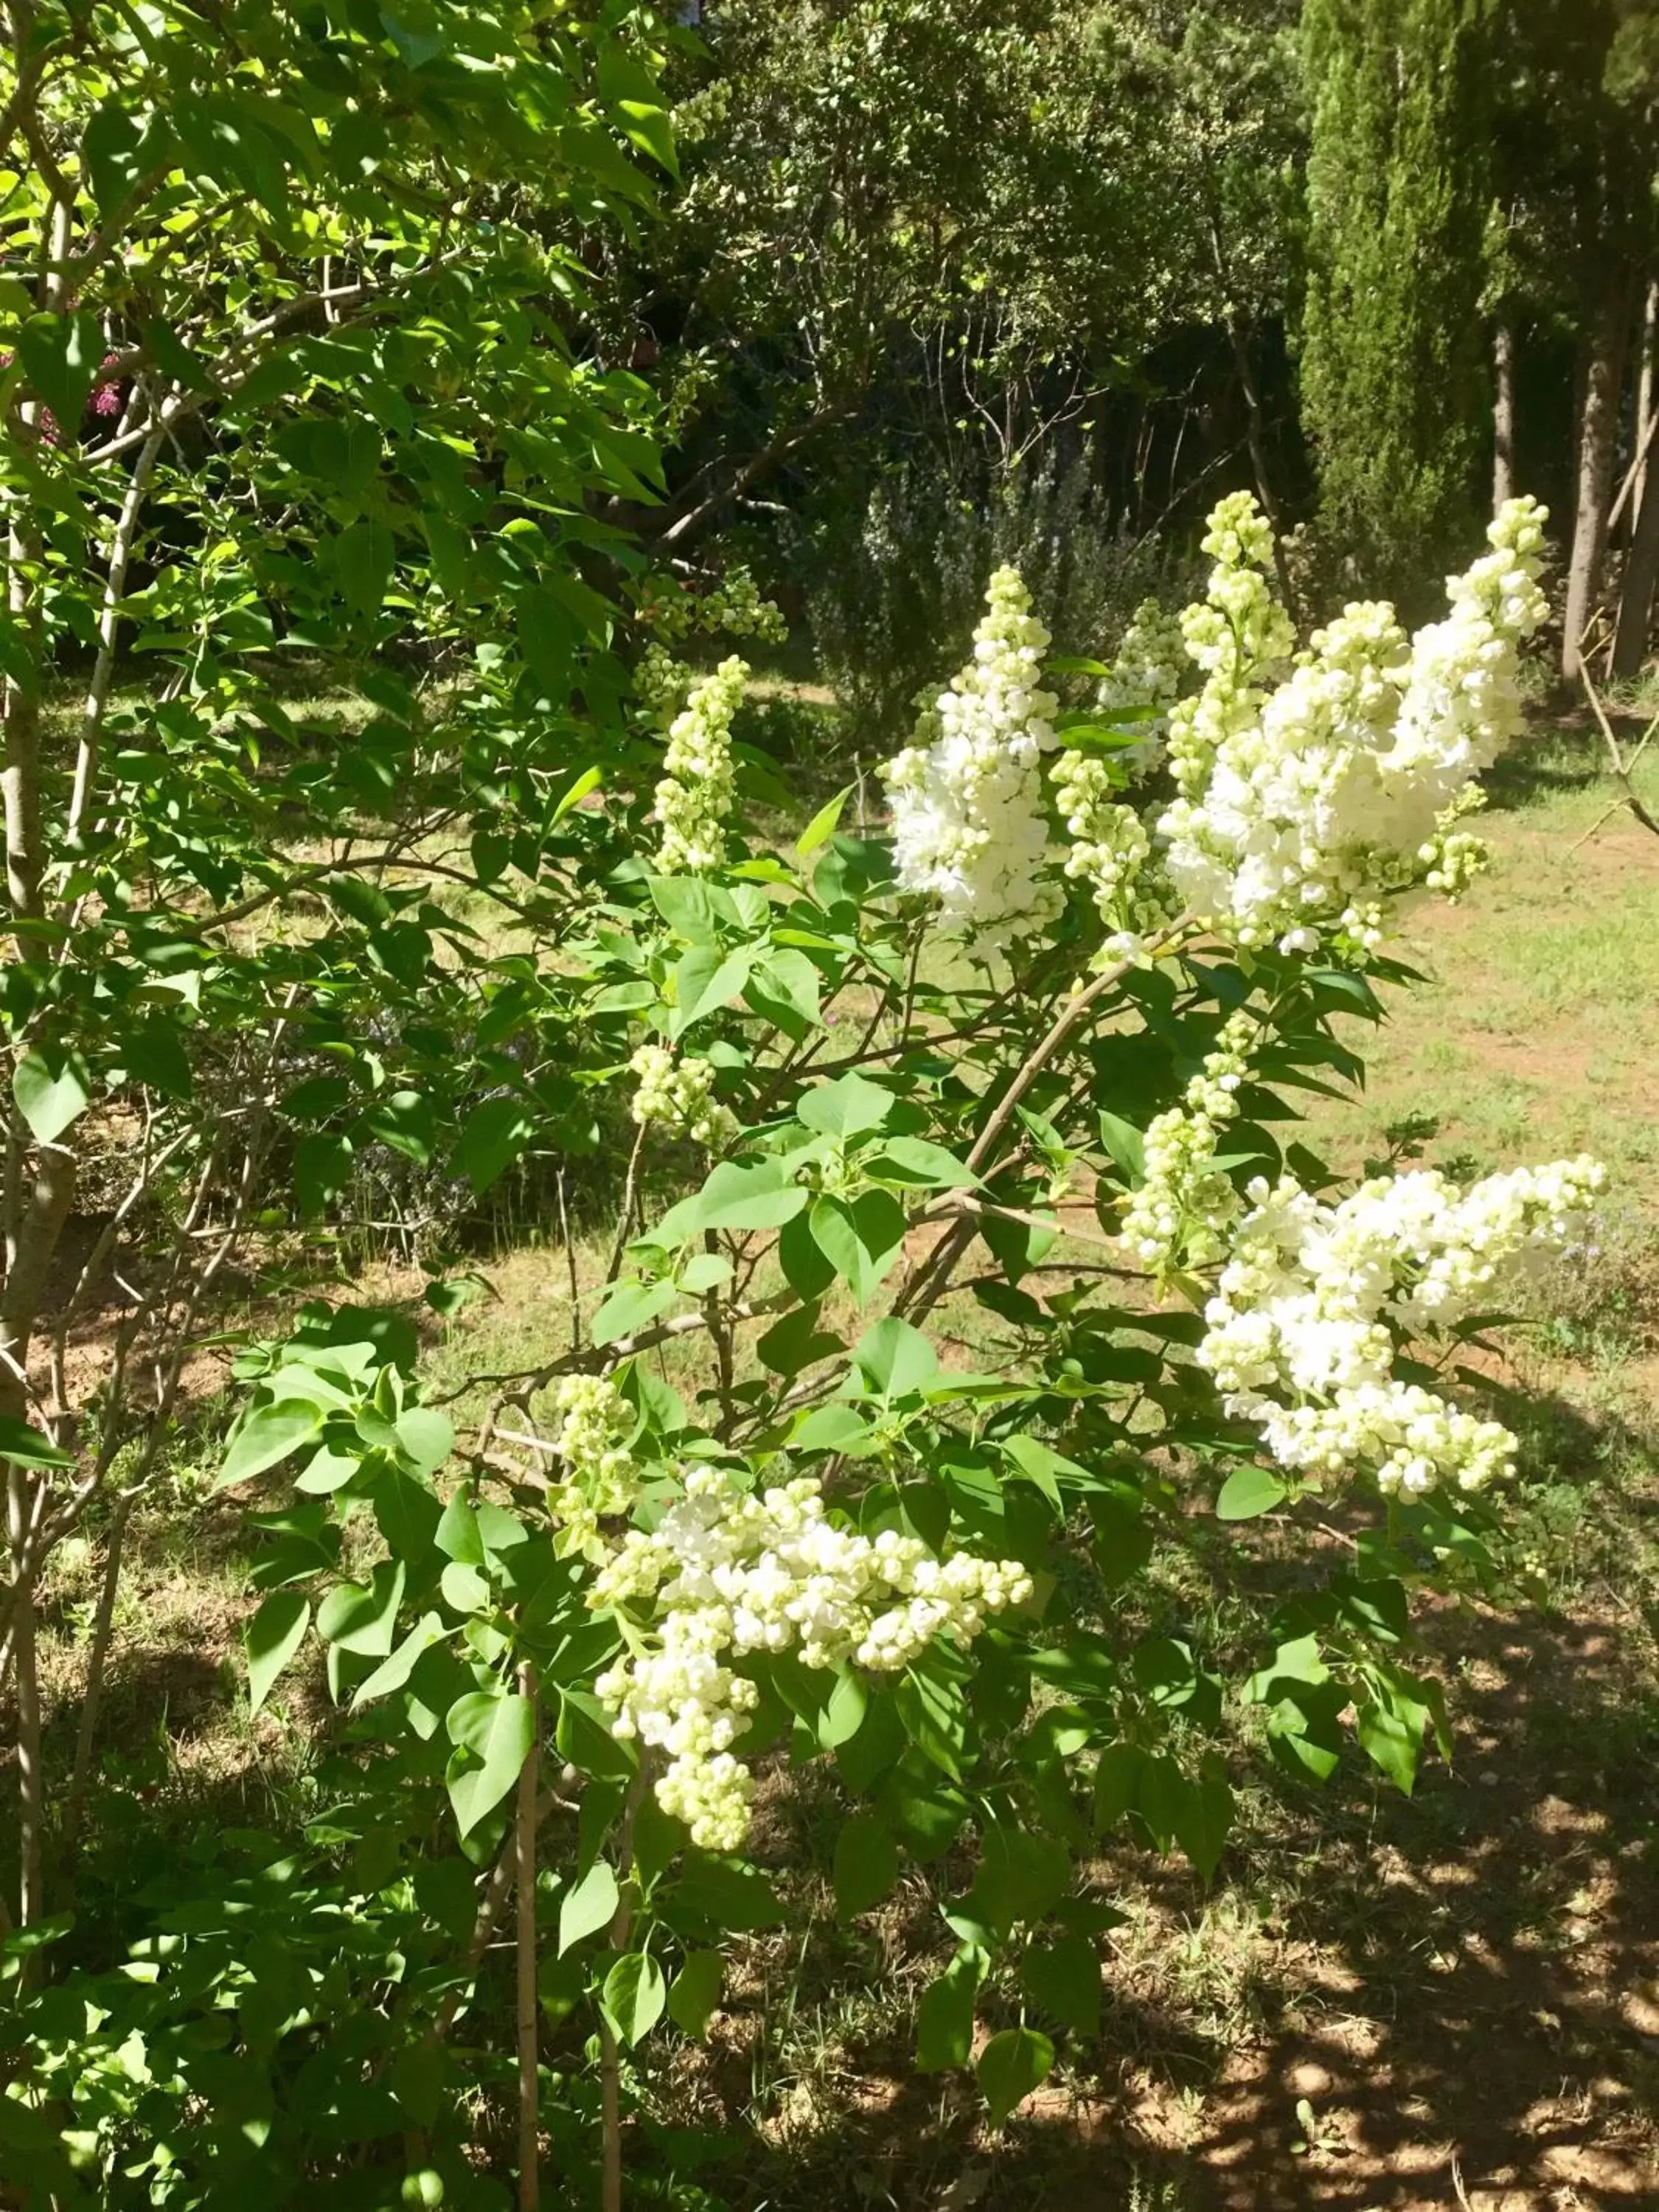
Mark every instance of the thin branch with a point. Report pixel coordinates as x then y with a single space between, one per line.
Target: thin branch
1621 767
115 584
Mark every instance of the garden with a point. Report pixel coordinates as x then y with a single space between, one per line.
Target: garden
830 1314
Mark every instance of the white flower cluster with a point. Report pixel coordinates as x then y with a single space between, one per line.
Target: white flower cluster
1239 636
594 1424
1298 808
661 683
1180 1215
737 604
1314 1299
1110 850
968 825
679 1097
724 1574
1151 668
694 795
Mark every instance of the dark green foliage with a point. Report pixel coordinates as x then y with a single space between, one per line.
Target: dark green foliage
1393 343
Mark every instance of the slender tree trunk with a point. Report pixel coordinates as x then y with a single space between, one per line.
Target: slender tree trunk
1630 642
86 1736
1256 437
1503 413
31 1792
1598 435
529 2170
1645 392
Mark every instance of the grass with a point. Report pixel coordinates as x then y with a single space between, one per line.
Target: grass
1373 1985
1533 1035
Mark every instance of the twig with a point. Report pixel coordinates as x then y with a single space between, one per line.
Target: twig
630 1198
1620 769
570 1269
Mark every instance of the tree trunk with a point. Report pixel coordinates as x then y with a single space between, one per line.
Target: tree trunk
1503 414
1256 437
528 2008
1629 642
1598 433
1644 393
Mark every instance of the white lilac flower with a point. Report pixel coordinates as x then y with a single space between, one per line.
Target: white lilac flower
1151 669
678 1097
1302 1333
1110 851
968 825
1300 805
1239 636
592 1427
723 1575
695 796
1179 1217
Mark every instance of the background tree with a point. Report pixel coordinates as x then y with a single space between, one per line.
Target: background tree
1392 360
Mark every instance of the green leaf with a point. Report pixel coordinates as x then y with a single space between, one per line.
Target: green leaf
492 1138
587 1905
650 129
363 1618
394 1672
695 1994
895 1359
944 2018
1117 1783
1012 2065
267 1436
52 1087
458 1535
861 1239
1064 1979
705 980
1021 1875
60 357
465 1588
496 1732
426 1437
588 780
797 1341
1249 1491
831 1428
785 988
322 1169
725 1894
26 1447
1203 1817
914 1160
935 1719
736 1197
274 1635
690 909
630 1307
845 1107
633 1996
823 824
866 1864
404 1121
364 555
155 1055
704 1271
806 1269
1125 1145
1391 1742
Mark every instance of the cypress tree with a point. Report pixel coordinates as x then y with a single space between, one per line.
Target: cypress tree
1393 356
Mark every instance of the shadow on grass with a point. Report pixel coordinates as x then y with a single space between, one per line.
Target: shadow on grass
1469 1974
1386 2001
